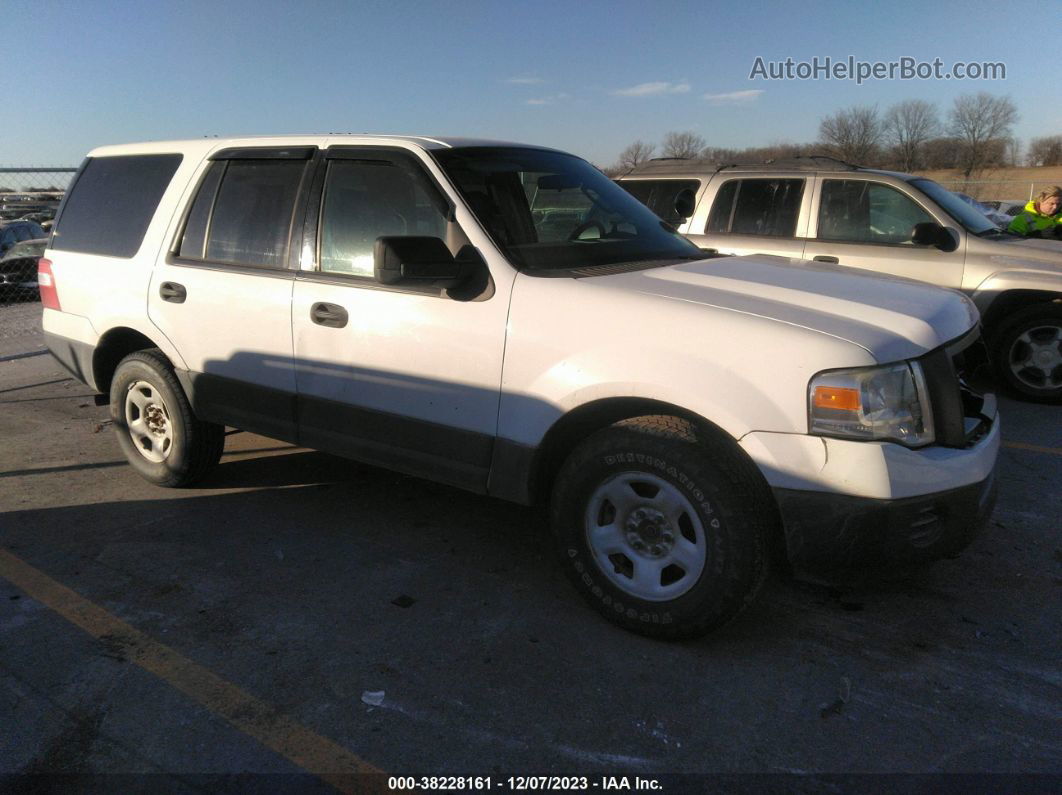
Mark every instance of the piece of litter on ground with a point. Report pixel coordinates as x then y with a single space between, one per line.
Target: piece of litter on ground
279 553
373 698
403 601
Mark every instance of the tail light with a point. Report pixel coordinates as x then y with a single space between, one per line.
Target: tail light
46 282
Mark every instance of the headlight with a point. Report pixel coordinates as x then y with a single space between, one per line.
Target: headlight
888 403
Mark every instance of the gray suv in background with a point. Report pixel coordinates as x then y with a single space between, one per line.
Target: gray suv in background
821 209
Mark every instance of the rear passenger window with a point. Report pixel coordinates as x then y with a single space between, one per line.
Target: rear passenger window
723 208
253 209
112 203
763 207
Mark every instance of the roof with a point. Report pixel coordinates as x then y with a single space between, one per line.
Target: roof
209 144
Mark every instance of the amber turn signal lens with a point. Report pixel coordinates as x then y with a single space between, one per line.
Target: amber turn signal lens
835 397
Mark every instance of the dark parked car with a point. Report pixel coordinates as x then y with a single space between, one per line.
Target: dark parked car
18 270
14 232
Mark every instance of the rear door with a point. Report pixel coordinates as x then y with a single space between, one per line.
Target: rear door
401 376
222 294
743 214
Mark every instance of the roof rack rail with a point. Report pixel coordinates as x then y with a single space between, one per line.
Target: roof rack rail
677 166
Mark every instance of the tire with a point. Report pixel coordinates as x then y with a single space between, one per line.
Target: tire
662 530
1027 351
160 436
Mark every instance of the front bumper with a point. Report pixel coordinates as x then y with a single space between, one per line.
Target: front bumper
829 532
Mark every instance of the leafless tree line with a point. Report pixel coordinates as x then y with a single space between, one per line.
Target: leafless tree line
975 133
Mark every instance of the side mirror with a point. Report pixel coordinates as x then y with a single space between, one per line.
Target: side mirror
416 260
933 234
685 202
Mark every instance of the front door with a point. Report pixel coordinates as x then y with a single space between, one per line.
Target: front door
863 223
401 376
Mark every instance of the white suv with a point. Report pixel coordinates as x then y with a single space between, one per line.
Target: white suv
505 319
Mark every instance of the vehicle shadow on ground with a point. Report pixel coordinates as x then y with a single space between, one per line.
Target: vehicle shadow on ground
368 526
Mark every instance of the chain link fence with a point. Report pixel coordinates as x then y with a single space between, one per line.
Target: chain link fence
29 199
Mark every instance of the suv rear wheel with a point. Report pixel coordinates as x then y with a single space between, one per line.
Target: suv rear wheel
1028 352
157 431
663 531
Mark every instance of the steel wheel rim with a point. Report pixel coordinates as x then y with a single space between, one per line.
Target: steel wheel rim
147 420
645 536
1035 357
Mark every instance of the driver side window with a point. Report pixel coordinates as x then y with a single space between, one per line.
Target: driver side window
858 211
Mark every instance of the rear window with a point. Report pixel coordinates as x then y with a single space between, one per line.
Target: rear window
110 206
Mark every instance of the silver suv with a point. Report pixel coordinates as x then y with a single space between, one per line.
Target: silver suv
821 209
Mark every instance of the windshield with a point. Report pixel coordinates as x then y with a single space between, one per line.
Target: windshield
549 210
970 218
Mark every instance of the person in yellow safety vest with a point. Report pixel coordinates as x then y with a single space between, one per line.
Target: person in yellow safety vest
1042 217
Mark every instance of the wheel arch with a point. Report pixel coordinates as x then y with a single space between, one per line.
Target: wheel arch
1010 301
572 428
113 346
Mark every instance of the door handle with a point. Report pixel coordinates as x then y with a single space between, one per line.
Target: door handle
330 315
173 292
821 258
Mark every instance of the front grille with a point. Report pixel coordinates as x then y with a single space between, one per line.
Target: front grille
963 411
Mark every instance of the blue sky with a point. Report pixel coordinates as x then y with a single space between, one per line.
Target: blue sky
588 77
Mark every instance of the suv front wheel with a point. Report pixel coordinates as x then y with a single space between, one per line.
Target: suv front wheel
663 531
163 440
1028 352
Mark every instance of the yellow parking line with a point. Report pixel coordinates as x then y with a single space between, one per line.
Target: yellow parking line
310 751
1035 448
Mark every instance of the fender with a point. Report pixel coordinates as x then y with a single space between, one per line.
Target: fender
1039 281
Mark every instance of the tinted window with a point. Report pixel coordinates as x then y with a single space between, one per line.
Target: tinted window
367 198
193 243
723 208
659 195
111 204
252 217
867 212
764 207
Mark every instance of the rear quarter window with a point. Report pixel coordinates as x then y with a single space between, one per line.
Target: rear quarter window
659 195
112 203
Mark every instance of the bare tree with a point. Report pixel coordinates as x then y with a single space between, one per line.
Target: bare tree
683 144
906 127
1045 151
634 155
981 122
853 134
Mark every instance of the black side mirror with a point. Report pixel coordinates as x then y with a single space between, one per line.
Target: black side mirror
416 260
685 202
933 234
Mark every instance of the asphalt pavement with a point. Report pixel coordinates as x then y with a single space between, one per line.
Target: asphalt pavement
300 618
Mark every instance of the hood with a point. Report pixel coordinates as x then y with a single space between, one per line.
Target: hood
1039 249
890 317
